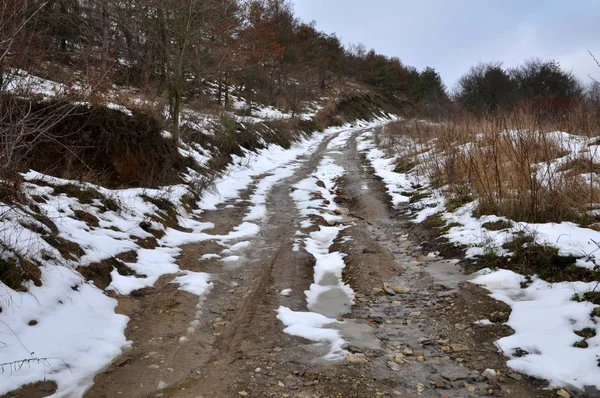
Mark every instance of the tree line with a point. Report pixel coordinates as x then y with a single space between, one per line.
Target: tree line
542 84
172 46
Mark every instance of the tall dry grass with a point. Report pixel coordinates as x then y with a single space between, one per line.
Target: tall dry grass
515 163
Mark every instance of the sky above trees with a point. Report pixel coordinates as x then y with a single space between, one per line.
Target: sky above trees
453 35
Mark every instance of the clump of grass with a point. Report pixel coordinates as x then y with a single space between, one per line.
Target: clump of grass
455 202
11 274
417 196
580 165
434 221
85 195
228 123
530 258
450 225
497 225
86 217
592 297
404 165
586 333
581 344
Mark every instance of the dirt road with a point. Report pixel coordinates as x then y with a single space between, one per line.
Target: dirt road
411 331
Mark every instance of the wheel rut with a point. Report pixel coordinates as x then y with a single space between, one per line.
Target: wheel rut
399 344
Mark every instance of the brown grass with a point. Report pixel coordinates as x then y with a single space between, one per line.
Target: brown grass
507 161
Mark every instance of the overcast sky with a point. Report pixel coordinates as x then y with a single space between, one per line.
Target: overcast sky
452 35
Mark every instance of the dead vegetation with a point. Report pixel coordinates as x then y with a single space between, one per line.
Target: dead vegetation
514 163
97 144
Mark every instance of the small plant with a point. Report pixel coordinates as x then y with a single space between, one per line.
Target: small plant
85 195
458 201
434 221
586 333
229 123
448 226
497 225
404 165
581 344
525 284
417 196
592 297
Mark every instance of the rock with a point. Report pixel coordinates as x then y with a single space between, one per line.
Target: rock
258 370
460 326
563 393
400 290
355 358
491 375
393 366
470 388
399 358
280 384
438 382
415 314
515 376
242 393
407 351
455 374
428 342
354 349
420 387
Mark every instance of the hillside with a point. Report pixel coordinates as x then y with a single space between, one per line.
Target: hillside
207 198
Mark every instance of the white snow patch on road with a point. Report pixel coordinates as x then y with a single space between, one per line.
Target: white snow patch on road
273 159
209 256
305 191
313 327
396 183
315 196
230 259
340 141
197 283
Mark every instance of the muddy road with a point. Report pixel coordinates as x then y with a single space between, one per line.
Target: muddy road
410 330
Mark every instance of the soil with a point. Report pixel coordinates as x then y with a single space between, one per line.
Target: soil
411 332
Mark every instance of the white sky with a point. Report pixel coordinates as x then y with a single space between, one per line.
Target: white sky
453 35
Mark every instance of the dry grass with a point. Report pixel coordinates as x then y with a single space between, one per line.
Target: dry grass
513 163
